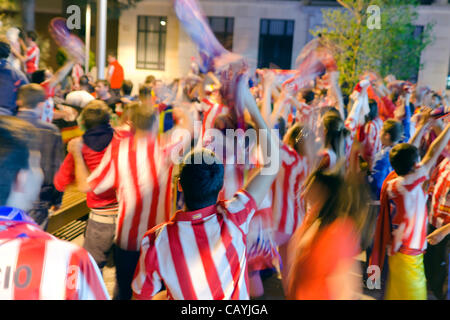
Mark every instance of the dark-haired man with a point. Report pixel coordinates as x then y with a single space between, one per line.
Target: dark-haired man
201 252
103 92
34 264
31 98
95 118
11 80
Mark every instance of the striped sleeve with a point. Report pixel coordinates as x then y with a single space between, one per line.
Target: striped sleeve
241 209
103 178
91 284
147 282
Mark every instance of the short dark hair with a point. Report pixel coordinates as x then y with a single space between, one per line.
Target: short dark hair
31 95
394 129
201 182
38 76
403 158
32 35
5 48
112 54
95 113
16 137
373 110
127 87
308 95
84 80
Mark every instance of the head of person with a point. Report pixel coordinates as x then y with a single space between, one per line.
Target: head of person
146 94
95 114
31 37
335 133
307 96
20 165
150 80
300 139
127 113
102 88
127 87
111 57
404 157
40 76
31 96
391 132
201 179
144 118
84 82
5 48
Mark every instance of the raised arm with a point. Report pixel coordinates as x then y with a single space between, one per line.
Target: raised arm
436 148
260 183
61 73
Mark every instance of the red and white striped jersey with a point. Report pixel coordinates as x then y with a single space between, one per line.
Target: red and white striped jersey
131 166
36 266
328 158
32 59
440 195
199 255
287 207
213 110
409 212
370 139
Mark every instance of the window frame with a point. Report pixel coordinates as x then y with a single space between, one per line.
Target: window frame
226 33
159 65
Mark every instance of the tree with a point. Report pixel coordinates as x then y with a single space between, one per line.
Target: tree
384 40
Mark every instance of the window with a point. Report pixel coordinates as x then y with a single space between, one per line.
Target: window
223 30
151 42
275 43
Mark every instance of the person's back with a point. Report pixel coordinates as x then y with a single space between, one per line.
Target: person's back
35 264
10 81
30 99
222 274
38 266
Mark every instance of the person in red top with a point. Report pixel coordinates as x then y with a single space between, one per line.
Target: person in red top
101 225
115 74
32 53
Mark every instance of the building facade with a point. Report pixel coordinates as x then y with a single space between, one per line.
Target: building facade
268 33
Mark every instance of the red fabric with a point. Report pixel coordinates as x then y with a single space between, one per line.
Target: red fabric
383 230
66 176
331 246
49 91
117 76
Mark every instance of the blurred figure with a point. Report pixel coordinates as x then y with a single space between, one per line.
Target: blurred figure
328 241
53 269
114 74
31 98
11 80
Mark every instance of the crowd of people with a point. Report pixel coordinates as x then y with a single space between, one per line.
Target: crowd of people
326 177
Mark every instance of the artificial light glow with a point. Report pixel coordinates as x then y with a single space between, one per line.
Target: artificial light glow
163 23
